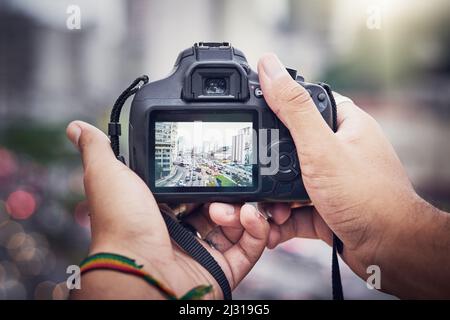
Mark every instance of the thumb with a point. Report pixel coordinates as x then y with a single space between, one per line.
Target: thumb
93 144
293 105
115 193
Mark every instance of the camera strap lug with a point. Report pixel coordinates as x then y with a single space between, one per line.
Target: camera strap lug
114 127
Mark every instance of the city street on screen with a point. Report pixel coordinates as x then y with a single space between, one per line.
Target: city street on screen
203 154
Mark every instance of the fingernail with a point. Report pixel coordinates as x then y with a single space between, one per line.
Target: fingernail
261 215
258 214
74 132
265 209
227 209
273 66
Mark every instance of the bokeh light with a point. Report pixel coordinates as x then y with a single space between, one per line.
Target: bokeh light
8 230
21 204
21 247
16 241
10 284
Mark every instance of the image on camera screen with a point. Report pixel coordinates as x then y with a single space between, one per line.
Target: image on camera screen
203 154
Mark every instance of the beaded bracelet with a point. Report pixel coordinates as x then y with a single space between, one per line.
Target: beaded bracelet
112 261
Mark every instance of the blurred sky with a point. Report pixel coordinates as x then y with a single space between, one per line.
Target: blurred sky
390 57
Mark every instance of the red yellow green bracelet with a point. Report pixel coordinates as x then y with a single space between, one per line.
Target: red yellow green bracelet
112 261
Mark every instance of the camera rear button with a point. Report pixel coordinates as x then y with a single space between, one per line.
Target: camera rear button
285 160
322 96
258 92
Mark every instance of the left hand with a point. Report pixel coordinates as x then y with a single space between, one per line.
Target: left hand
125 219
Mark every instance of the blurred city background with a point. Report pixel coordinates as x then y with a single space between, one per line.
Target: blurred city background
391 57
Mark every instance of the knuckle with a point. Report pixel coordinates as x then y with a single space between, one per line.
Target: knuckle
292 93
292 99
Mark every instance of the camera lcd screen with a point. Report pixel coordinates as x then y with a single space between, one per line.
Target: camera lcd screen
204 152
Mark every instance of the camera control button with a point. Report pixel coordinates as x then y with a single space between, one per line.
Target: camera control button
322 96
258 92
284 171
286 174
285 161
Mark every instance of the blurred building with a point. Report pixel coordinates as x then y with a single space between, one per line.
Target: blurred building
165 147
241 146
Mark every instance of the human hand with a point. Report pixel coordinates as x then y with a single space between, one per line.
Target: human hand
125 219
359 190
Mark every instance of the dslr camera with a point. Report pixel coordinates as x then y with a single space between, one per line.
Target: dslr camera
205 133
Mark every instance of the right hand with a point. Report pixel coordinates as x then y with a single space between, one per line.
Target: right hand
357 185
353 176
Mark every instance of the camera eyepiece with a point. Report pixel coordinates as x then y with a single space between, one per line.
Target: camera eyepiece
215 86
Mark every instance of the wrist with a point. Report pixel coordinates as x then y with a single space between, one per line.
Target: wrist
108 284
412 253
149 265
166 269
106 274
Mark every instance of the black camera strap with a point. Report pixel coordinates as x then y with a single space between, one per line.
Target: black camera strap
183 237
338 293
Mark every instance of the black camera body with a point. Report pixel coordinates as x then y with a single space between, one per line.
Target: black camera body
205 133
